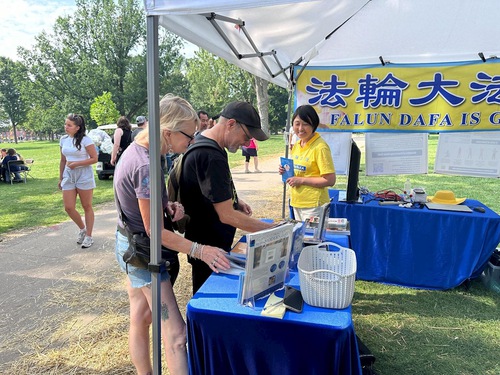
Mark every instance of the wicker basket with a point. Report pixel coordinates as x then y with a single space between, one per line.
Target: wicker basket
327 277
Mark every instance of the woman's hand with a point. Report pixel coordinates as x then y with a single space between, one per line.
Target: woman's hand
295 181
71 164
175 210
281 170
215 258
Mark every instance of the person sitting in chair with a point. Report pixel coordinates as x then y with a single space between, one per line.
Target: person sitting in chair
14 169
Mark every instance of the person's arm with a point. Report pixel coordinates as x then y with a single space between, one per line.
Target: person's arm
92 159
116 145
209 254
317 182
62 165
238 219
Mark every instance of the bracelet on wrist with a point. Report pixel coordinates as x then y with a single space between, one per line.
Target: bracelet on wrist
194 245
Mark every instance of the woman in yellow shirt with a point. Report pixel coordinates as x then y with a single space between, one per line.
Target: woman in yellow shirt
313 165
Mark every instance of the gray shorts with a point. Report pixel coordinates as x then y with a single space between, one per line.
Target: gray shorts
79 178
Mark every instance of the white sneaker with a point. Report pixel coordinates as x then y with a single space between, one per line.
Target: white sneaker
81 236
87 242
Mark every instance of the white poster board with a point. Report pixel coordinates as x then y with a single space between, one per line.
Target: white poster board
395 153
340 147
468 154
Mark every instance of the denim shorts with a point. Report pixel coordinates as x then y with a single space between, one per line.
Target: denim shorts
138 276
79 178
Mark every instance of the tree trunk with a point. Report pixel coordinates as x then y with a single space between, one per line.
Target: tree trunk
262 102
14 130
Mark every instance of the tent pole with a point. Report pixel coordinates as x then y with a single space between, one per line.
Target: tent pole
155 183
287 131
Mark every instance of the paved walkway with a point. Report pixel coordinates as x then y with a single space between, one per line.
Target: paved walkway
43 272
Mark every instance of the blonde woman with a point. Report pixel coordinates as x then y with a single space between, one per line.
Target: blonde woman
178 123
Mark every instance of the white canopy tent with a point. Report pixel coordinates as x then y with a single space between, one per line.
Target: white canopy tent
333 32
268 38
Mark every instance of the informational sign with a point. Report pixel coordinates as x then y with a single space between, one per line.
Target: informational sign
432 98
340 146
268 255
396 153
469 154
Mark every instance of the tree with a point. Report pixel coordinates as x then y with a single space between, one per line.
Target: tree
103 109
262 101
214 82
278 108
100 48
12 74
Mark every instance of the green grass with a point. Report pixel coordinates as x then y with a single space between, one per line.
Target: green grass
39 202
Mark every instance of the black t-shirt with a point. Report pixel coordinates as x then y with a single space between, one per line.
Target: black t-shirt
205 180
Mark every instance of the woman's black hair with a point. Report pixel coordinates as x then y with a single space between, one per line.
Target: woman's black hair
80 122
307 114
123 123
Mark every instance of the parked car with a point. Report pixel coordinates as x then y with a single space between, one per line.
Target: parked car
103 167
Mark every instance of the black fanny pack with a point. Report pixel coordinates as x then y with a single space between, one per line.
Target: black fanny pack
138 253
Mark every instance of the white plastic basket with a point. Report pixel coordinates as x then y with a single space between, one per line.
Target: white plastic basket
327 277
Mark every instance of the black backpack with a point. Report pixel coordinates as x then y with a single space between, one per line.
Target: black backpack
173 190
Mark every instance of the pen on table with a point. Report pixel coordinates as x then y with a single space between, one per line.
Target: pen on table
273 305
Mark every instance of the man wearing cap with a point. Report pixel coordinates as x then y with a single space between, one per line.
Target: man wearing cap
208 193
142 124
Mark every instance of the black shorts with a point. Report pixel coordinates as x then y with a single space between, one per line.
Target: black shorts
248 151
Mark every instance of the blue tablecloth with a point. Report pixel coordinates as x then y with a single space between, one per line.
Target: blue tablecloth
227 338
419 248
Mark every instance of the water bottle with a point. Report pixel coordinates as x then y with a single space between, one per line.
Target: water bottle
407 189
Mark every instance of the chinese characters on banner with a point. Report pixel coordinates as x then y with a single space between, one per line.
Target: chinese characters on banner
425 98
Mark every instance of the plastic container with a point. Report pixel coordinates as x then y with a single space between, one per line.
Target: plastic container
327 277
407 188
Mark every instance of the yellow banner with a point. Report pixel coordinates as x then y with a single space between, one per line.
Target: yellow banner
424 98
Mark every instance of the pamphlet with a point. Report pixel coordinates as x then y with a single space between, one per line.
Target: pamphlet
287 164
237 263
268 253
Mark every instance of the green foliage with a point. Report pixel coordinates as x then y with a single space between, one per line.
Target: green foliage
278 107
103 109
215 82
101 47
12 102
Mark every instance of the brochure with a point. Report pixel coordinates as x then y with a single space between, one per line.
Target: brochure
288 165
237 263
268 254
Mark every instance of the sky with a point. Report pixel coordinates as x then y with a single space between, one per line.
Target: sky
22 20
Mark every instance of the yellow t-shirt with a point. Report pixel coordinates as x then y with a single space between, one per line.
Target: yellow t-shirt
312 160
